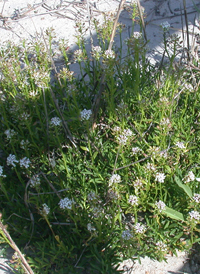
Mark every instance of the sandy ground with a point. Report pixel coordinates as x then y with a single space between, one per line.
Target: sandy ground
29 19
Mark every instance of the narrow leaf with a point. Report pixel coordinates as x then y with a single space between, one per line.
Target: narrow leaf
173 214
84 148
186 188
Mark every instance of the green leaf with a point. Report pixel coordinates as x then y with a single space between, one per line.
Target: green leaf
173 214
84 148
186 188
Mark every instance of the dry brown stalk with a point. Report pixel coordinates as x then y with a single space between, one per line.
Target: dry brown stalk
96 104
8 238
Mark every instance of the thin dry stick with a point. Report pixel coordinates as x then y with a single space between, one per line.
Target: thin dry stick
142 19
65 126
187 30
51 186
25 264
96 104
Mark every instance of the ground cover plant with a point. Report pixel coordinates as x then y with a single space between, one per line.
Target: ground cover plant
103 167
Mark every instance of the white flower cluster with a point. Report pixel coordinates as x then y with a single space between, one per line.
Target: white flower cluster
136 150
194 215
133 200
86 114
160 177
25 116
161 246
11 160
45 210
113 195
140 228
55 121
138 183
66 203
24 144
165 122
114 179
126 235
25 162
96 52
78 54
92 196
1 172
180 145
109 54
196 198
189 178
150 167
116 129
9 133
97 211
90 227
124 137
137 35
165 25
34 181
160 206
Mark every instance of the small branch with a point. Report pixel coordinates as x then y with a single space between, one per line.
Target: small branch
25 264
96 104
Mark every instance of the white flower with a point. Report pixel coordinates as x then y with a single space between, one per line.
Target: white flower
126 235
55 121
9 133
127 132
114 179
160 177
24 162
165 122
133 200
165 25
161 246
160 206
196 198
86 114
34 181
138 183
137 35
189 178
24 143
150 167
109 54
116 129
25 116
66 203
45 210
91 196
139 228
1 172
180 145
136 150
90 227
78 54
97 211
96 52
123 138
194 215
11 160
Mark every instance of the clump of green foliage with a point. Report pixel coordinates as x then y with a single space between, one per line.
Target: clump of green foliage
82 191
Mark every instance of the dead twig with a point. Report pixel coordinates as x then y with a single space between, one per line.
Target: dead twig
8 239
96 104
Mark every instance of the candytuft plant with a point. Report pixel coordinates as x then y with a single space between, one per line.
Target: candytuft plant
85 187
